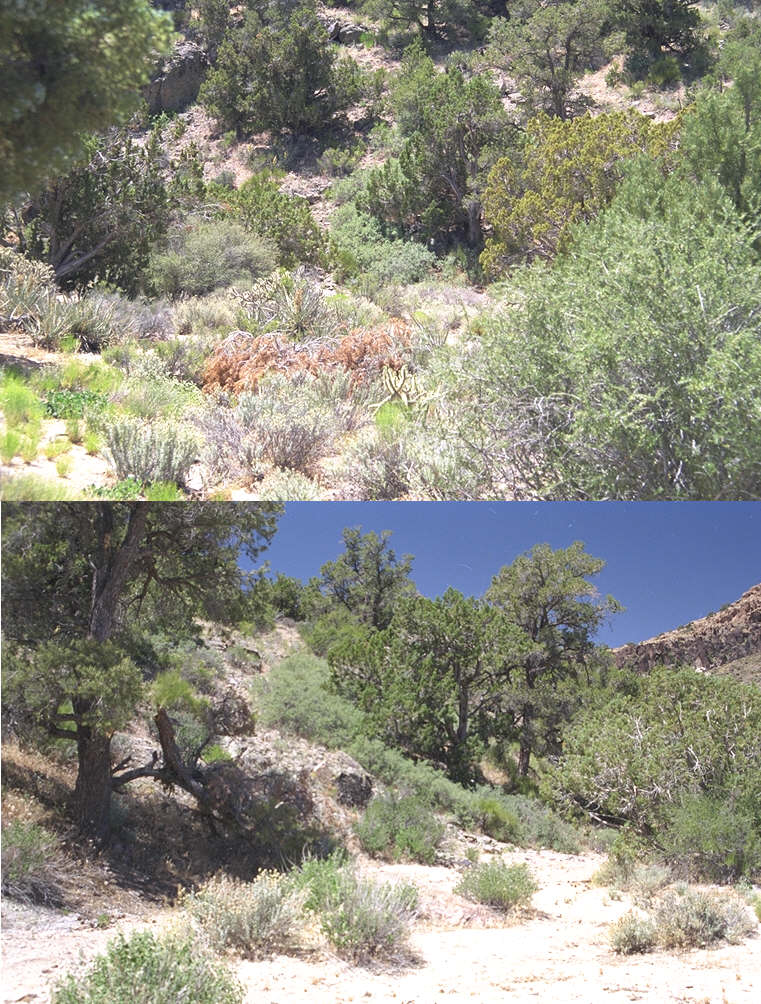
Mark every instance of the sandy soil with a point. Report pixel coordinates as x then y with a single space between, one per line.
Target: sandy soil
555 951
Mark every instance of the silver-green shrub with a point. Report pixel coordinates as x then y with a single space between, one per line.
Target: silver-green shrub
498 884
148 452
264 915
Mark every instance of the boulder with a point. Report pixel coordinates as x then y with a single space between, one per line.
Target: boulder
352 784
178 80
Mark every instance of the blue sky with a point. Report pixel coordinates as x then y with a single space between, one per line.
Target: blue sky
667 563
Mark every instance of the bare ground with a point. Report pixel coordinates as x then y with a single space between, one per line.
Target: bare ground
557 950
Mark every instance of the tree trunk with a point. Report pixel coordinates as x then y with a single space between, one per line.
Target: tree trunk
524 756
92 794
474 235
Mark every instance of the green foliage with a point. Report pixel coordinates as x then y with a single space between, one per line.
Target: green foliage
448 674
497 820
368 579
67 687
18 401
72 404
294 697
711 837
636 391
100 220
143 968
288 485
722 133
651 26
321 880
204 256
359 248
279 74
400 828
32 864
692 764
498 884
288 432
632 934
431 18
547 48
30 488
248 917
567 171
150 452
451 126
72 68
419 680
285 220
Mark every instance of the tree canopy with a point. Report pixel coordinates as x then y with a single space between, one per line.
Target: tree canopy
368 579
449 675
69 68
452 126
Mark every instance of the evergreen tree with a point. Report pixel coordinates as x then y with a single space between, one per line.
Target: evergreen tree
74 575
69 68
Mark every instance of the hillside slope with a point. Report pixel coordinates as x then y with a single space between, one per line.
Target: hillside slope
727 641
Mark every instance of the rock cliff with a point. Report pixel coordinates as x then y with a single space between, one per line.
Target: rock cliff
728 641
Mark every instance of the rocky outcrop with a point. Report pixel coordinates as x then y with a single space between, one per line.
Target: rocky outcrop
346 34
729 636
178 79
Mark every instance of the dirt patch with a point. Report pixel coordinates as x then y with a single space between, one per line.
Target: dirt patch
556 950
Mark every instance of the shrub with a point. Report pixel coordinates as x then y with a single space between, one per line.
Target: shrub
321 880
33 866
241 360
250 917
541 826
277 73
145 969
10 444
291 304
294 697
376 465
72 404
284 486
712 837
290 433
400 827
150 453
498 884
691 918
30 488
497 820
93 321
204 256
364 919
207 315
183 359
632 934
149 393
284 219
27 288
359 248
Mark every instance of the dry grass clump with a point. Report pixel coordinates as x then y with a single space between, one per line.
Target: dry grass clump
34 866
684 917
242 359
252 918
